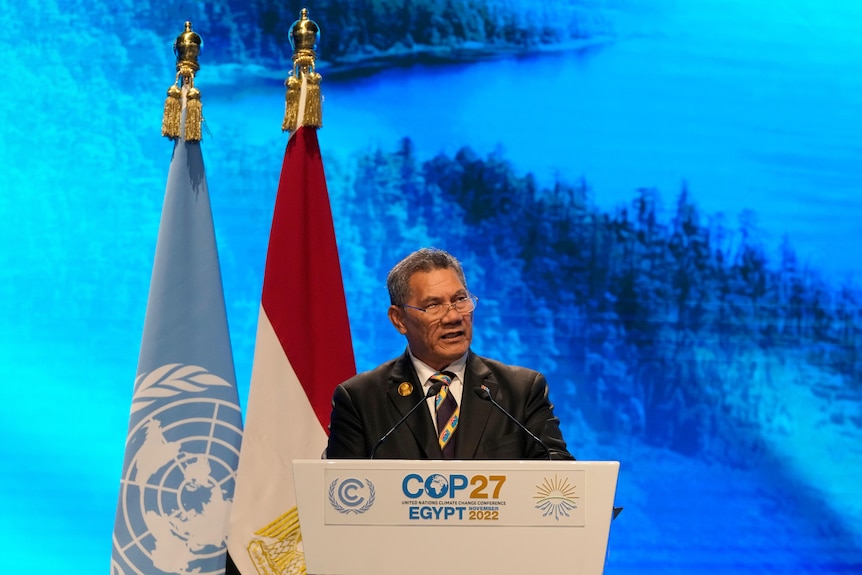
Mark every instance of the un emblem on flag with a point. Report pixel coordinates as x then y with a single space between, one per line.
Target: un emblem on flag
179 474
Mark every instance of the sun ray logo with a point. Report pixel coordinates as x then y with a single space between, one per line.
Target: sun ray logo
556 497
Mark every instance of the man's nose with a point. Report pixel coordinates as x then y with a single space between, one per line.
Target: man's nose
448 316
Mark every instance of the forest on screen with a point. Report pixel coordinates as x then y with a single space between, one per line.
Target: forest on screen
678 330
367 35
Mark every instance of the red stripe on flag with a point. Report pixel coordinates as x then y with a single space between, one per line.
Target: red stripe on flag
303 295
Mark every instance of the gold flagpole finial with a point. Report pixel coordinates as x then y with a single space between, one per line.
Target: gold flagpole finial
303 101
187 48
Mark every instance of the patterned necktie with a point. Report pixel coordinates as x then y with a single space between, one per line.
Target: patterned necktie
448 412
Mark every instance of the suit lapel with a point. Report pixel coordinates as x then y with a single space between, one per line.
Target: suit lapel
474 411
420 423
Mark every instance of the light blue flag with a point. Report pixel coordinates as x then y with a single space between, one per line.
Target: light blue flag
185 428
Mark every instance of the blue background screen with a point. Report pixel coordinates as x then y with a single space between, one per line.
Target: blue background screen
657 203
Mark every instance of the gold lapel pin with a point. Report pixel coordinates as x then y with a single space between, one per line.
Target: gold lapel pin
405 389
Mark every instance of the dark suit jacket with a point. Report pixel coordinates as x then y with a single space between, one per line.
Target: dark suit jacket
366 406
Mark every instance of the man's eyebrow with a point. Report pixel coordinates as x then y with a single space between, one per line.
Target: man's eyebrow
437 299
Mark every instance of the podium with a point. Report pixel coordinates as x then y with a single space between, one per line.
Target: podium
388 517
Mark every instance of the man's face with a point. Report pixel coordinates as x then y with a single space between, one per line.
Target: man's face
440 342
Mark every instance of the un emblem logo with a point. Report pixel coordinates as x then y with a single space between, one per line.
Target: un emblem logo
351 495
179 474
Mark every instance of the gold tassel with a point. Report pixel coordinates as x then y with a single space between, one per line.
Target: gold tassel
173 112
194 115
313 102
291 104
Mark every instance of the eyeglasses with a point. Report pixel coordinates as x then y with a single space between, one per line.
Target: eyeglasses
435 311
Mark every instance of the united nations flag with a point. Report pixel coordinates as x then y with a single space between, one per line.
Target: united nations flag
185 428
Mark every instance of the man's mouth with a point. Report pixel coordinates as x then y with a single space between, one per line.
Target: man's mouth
452 335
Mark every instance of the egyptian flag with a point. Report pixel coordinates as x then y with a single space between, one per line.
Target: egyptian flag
303 350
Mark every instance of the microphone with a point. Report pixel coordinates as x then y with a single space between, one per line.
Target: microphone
484 393
433 390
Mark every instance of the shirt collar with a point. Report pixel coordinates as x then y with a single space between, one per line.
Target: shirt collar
424 371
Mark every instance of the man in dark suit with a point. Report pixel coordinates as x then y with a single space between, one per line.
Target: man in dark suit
431 307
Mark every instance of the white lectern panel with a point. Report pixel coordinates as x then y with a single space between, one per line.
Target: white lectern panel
361 517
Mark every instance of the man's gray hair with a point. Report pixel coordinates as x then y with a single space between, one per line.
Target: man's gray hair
423 260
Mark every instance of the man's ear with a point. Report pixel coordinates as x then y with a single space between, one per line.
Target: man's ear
396 316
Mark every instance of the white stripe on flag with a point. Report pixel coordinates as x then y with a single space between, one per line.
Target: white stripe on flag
281 426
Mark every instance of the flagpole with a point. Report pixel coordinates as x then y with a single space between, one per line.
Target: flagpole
303 101
183 98
303 348
185 425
